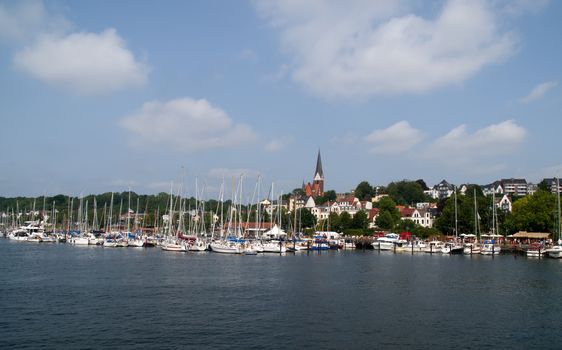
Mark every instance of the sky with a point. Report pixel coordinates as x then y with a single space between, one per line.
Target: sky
99 96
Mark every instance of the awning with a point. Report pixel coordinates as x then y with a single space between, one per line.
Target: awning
535 235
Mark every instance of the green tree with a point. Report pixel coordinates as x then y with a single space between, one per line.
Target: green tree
364 191
467 218
307 219
298 192
536 213
345 221
360 220
328 196
406 192
335 222
385 220
406 225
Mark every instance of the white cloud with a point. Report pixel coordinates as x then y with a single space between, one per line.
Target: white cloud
186 125
397 138
460 148
539 91
26 19
363 48
87 63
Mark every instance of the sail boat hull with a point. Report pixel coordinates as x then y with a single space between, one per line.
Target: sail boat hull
224 248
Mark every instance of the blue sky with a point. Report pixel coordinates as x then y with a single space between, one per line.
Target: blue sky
101 96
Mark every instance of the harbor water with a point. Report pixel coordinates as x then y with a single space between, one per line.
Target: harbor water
63 296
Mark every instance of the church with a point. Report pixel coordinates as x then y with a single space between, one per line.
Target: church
316 188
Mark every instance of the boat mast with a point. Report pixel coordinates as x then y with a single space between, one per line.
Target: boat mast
129 214
456 216
558 199
475 216
494 212
170 212
110 218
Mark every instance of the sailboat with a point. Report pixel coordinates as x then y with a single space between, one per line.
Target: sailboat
172 243
490 246
473 247
198 244
454 247
556 251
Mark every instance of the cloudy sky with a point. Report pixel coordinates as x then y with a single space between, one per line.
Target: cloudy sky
101 96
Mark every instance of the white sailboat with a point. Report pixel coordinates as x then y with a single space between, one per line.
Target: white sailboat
228 242
454 247
171 243
473 247
491 246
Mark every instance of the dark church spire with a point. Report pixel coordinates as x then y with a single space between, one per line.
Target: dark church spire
319 170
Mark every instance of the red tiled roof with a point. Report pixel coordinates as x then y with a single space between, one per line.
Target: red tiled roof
407 212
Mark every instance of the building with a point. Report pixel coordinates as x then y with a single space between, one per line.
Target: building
515 187
495 187
316 188
554 185
441 190
422 217
504 203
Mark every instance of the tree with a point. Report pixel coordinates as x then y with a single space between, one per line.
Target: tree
466 216
307 219
422 184
385 221
406 192
360 220
335 223
298 192
345 221
406 225
364 191
536 213
328 196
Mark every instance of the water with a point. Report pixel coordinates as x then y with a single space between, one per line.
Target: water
63 296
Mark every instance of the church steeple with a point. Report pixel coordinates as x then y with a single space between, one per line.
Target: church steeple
318 182
319 172
316 188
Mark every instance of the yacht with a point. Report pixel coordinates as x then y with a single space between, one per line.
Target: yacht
274 247
555 251
173 245
534 250
197 246
80 240
490 247
225 247
434 247
387 242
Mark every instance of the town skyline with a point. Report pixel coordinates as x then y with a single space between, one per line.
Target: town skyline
466 91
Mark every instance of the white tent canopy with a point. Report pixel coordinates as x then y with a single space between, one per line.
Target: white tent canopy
275 233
